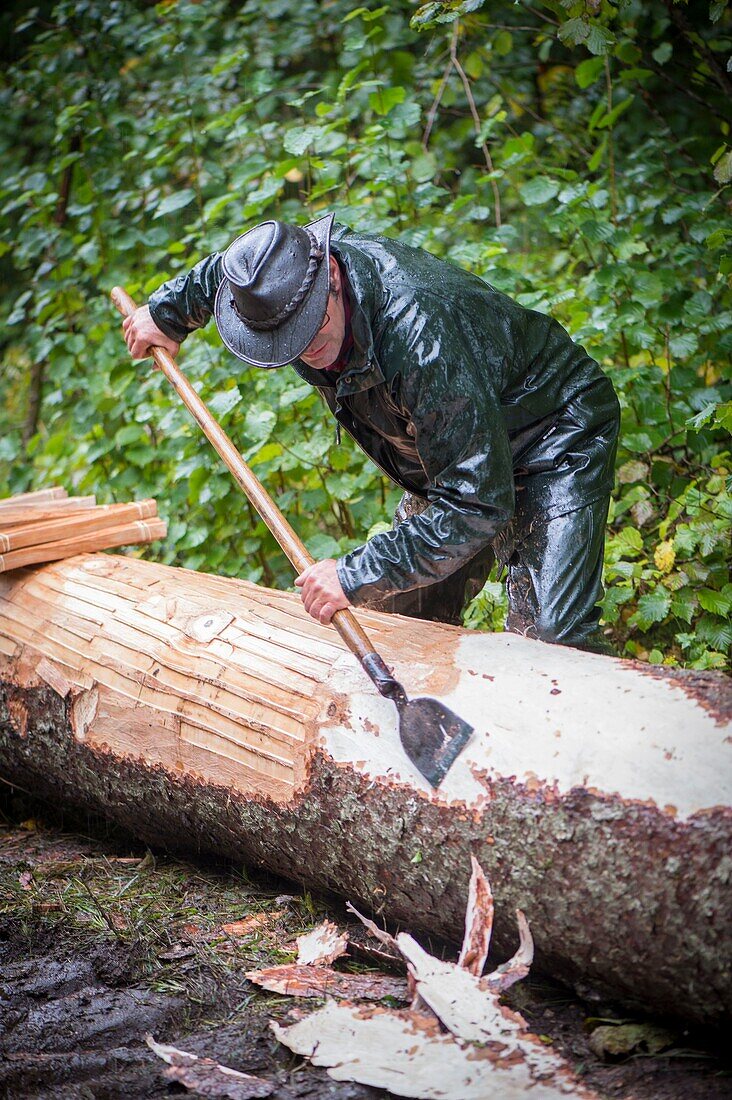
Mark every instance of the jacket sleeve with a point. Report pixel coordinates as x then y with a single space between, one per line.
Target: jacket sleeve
449 395
186 302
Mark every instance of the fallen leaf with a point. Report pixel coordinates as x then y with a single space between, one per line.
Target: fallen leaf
26 880
252 923
610 1041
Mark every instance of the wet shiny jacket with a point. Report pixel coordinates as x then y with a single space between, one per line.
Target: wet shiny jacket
458 393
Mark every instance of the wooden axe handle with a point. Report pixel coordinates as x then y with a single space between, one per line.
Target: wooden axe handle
344 621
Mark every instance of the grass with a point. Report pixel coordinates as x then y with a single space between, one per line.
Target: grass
169 915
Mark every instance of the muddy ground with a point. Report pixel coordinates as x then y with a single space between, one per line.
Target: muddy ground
103 942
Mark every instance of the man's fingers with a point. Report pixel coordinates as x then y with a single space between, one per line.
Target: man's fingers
321 591
141 334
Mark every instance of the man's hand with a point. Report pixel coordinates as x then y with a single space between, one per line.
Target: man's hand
321 590
141 333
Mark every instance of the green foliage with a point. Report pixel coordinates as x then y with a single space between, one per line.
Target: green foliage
578 159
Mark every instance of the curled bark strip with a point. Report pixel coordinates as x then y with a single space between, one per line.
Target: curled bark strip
376 932
478 921
322 945
457 999
517 967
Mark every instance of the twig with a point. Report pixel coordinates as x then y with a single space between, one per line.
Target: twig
435 105
476 120
611 146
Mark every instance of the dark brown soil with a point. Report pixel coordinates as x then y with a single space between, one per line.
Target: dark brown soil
102 943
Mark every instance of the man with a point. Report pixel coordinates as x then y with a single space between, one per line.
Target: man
500 429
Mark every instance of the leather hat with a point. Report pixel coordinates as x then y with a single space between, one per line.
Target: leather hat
273 297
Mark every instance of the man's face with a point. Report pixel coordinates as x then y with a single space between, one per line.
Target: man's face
322 351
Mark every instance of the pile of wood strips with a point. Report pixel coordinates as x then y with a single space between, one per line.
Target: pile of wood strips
49 524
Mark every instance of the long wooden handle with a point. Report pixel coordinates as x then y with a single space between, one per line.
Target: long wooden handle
344 621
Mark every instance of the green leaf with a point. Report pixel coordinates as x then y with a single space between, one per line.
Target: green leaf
503 43
684 344
683 604
614 598
714 601
574 31
259 423
612 117
298 140
599 40
715 632
717 238
663 53
597 157
386 99
538 190
130 433
588 71
652 608
174 202
323 546
638 441
224 401
630 539
685 539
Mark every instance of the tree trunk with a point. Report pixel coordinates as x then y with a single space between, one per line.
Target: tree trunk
213 715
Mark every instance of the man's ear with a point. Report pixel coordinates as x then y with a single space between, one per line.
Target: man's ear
335 274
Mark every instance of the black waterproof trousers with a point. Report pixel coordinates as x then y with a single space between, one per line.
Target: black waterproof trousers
554 577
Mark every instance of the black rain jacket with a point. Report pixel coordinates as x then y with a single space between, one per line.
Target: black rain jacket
458 393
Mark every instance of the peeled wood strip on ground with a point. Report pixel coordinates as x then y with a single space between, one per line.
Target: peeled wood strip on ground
15 514
302 980
92 519
406 1053
126 534
210 714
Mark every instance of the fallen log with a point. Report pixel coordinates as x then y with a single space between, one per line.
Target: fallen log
210 714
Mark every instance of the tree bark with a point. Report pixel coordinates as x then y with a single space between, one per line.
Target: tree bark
208 714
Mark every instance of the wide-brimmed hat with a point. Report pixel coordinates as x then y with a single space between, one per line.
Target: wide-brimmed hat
273 297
